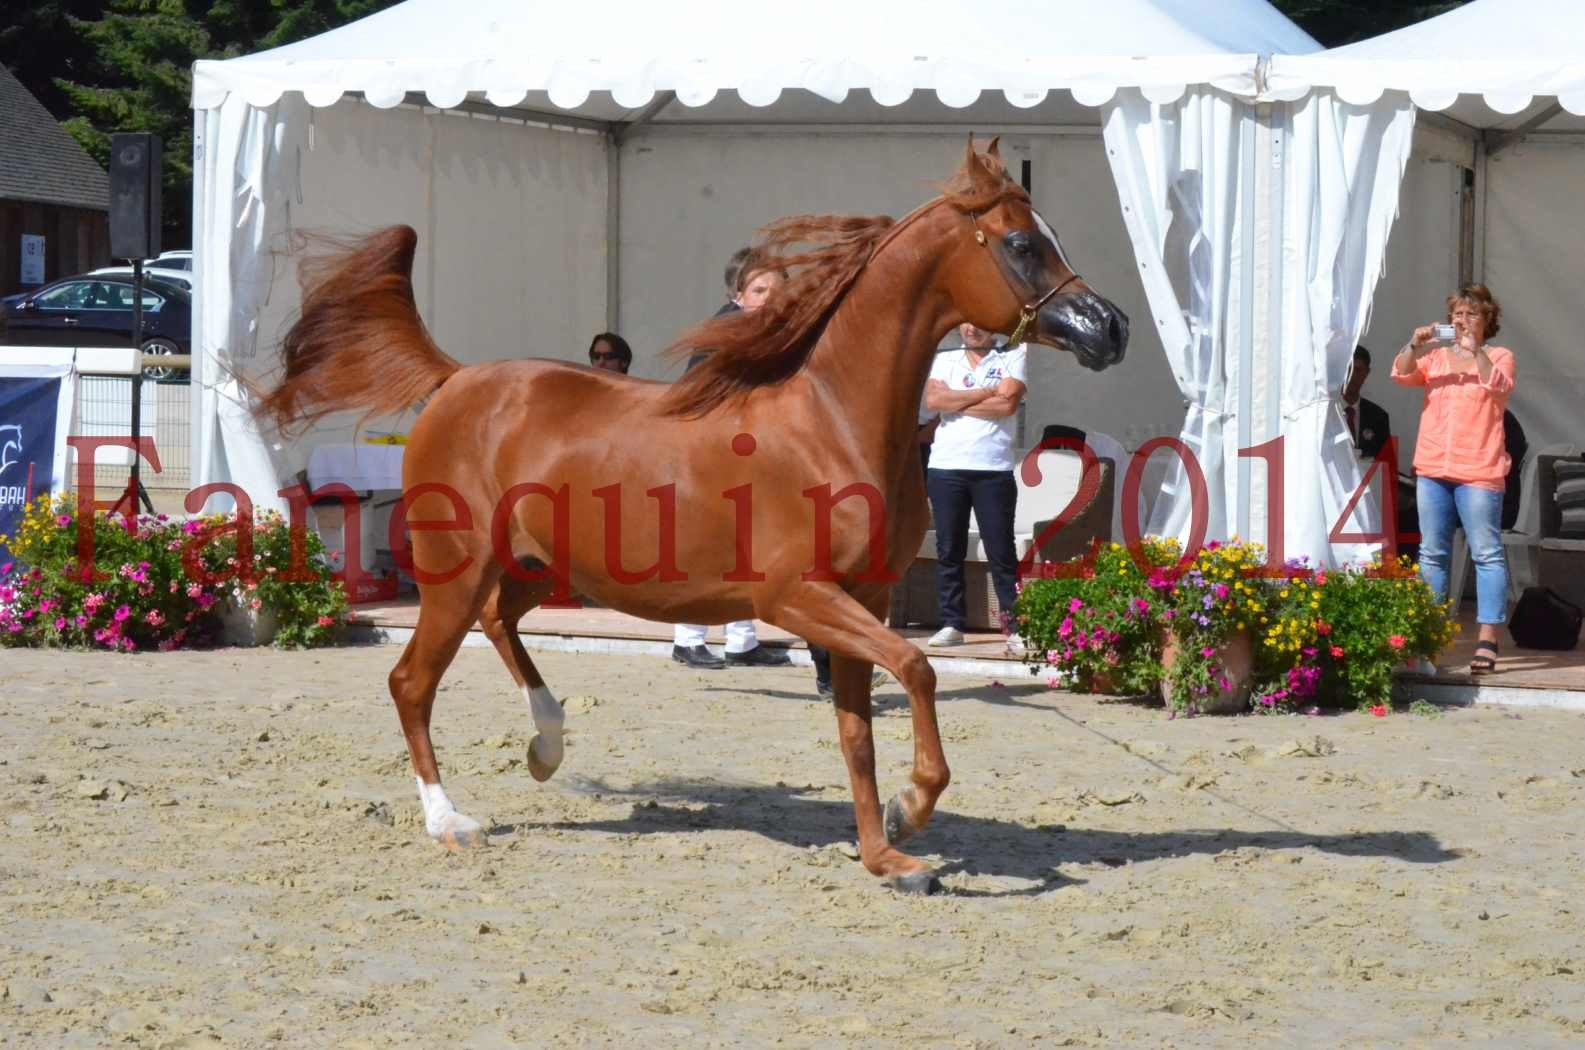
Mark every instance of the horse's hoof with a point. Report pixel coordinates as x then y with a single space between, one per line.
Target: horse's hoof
899 828
918 883
538 768
458 833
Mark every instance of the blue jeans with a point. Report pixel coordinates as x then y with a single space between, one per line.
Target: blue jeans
991 495
1444 505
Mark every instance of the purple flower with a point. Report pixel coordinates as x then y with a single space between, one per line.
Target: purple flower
5 570
1204 621
1206 601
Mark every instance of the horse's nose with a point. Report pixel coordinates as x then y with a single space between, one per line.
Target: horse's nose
1117 332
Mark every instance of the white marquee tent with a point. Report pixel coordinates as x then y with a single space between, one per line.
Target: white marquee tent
1503 82
600 179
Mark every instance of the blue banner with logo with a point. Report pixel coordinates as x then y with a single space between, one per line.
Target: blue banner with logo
33 408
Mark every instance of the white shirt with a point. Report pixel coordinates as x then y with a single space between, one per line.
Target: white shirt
962 441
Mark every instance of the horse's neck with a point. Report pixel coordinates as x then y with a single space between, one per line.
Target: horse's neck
876 352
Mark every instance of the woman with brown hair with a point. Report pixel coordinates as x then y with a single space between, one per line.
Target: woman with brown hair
1460 461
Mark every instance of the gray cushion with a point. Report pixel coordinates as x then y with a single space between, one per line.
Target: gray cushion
1570 492
1572 523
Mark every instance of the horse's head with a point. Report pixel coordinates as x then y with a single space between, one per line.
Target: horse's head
1012 276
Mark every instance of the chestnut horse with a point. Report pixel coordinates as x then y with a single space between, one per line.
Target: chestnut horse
526 479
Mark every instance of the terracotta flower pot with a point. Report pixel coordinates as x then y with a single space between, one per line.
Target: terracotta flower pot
1236 655
1102 684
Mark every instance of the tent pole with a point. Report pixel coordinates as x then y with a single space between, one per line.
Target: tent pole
1482 182
613 232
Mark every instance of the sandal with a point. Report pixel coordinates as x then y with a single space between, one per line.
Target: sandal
1485 659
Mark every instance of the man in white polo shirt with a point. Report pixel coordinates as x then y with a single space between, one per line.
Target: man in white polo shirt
976 390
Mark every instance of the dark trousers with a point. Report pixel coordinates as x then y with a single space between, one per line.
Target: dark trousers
822 659
991 495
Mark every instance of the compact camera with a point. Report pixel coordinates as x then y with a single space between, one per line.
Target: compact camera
1445 332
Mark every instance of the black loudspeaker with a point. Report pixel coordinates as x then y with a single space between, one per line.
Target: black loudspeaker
134 196
1544 619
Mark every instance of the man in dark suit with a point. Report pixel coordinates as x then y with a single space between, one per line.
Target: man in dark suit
1368 426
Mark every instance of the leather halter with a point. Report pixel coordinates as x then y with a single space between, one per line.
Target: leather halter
1031 309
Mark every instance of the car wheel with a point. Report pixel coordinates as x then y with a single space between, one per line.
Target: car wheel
160 373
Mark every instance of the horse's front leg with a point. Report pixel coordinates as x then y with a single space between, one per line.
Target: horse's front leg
825 615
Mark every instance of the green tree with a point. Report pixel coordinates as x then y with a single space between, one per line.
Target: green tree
1337 22
126 65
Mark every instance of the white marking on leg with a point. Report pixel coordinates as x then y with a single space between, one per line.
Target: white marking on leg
548 721
440 816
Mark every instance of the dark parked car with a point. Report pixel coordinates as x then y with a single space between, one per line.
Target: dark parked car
96 310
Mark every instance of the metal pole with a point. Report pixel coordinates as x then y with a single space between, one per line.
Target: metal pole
135 490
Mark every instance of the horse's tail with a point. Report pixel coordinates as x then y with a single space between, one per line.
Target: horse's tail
359 343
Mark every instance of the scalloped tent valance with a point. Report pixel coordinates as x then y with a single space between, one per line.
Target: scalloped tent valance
1510 53
503 50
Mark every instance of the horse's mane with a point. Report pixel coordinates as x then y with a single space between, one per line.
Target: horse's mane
744 351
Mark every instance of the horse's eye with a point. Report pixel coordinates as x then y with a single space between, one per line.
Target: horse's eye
1019 243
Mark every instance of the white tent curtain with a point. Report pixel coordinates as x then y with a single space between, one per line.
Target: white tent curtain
1206 235
1179 177
1341 175
246 163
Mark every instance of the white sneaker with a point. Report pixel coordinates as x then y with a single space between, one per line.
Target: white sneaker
946 636
1015 644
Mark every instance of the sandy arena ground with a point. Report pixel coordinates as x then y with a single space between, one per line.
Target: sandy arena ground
224 849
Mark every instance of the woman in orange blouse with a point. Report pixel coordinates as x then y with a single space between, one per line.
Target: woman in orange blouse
1460 462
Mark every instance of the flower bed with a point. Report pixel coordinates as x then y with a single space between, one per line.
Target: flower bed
155 582
1312 637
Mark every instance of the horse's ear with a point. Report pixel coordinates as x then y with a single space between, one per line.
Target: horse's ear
993 157
974 167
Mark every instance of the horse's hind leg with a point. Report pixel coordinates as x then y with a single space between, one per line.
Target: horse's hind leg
507 604
445 614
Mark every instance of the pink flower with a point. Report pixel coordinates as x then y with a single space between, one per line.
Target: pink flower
63 520
154 618
60 623
205 600
1224 685
1379 710
194 590
255 604
1053 682
191 528
92 603
1065 629
325 621
81 621
1207 652
1337 652
122 612
1397 641
1075 605
1220 590
128 645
